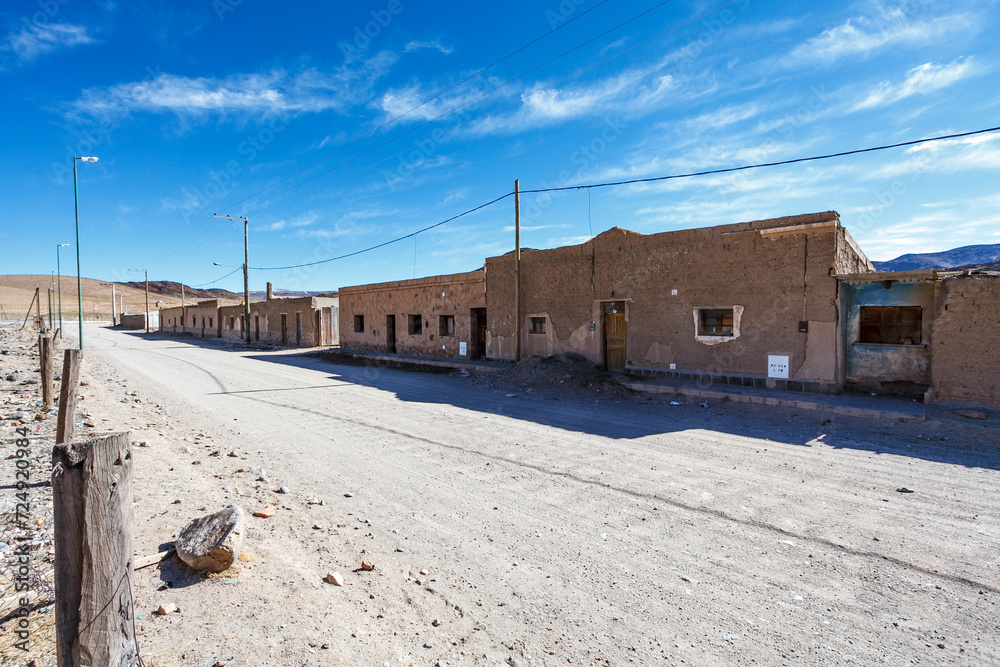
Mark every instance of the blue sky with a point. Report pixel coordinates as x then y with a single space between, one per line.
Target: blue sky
319 121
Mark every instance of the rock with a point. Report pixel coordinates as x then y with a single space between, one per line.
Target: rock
970 414
903 489
265 513
167 608
367 565
144 443
424 572
211 543
335 578
83 383
428 645
317 526
436 623
186 449
348 495
233 455
90 423
284 489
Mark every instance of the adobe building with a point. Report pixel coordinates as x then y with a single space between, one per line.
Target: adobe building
436 316
753 304
294 321
907 332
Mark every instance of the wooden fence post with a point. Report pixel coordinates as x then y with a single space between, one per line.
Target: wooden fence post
92 502
45 359
66 424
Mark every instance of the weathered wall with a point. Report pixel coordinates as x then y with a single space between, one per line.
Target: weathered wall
430 297
965 351
780 271
223 319
870 364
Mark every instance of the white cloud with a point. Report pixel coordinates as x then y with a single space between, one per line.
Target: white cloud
436 44
277 91
864 35
949 156
722 117
37 39
923 80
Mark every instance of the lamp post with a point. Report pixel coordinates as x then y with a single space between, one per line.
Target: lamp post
79 281
59 286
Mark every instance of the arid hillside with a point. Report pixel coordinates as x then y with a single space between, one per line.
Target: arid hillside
17 292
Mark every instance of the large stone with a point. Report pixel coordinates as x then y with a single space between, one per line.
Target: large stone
211 543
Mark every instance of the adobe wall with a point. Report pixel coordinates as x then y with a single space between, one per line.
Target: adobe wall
965 351
779 271
429 297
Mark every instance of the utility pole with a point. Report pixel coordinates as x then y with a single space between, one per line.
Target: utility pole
246 272
114 318
147 299
59 278
517 272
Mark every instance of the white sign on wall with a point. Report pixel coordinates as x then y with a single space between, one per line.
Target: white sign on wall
463 348
777 366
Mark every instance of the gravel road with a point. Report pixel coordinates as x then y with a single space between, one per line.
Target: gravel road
529 531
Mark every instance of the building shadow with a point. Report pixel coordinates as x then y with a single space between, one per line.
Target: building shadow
941 439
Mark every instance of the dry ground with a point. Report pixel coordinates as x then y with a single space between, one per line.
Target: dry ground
533 530
17 292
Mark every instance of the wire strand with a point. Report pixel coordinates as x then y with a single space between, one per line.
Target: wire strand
727 170
238 268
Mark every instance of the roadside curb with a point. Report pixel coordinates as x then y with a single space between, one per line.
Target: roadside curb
394 359
818 405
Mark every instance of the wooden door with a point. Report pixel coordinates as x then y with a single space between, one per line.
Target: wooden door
477 344
614 336
284 329
390 334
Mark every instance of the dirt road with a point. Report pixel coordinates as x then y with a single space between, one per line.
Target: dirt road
507 529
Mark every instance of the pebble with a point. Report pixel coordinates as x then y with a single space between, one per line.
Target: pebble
348 495
335 578
317 526
284 489
167 608
265 513
436 623
424 572
367 565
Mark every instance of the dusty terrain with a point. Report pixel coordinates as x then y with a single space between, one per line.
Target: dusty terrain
539 528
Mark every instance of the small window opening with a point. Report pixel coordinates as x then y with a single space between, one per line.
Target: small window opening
359 324
537 325
447 325
416 325
715 322
890 325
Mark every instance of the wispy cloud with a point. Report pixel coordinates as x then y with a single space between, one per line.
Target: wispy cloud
305 220
417 45
238 95
923 80
34 40
863 36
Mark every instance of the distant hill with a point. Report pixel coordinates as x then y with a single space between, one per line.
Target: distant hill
171 289
966 256
284 293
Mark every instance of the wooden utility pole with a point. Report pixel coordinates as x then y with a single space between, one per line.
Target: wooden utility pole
114 318
66 421
517 271
246 272
92 503
147 299
52 325
45 353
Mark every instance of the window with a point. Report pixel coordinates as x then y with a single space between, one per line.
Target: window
447 325
232 322
715 322
890 325
210 325
359 324
537 325
416 324
194 320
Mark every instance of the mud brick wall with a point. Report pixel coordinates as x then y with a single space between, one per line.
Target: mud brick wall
781 272
430 298
965 352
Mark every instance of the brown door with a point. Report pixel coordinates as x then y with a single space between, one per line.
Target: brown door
319 328
614 336
477 346
256 327
390 334
284 329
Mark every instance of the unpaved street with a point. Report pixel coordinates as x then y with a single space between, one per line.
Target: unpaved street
526 531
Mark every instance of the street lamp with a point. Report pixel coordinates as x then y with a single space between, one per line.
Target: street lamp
59 274
79 281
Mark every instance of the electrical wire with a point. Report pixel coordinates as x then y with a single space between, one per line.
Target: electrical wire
490 92
238 268
728 170
422 104
382 245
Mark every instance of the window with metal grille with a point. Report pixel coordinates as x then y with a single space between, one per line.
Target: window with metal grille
416 325
359 324
715 322
890 325
537 325
446 325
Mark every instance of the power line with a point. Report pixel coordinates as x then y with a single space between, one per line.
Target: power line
490 92
422 104
238 268
764 164
382 245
